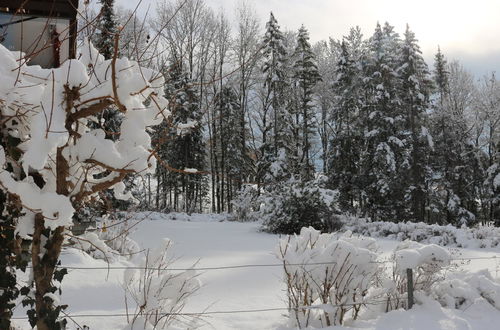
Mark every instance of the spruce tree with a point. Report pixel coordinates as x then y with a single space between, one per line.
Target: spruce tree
232 156
104 42
381 154
414 94
452 197
181 147
493 187
107 29
274 70
305 77
345 143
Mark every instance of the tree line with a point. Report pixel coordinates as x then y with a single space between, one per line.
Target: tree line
397 139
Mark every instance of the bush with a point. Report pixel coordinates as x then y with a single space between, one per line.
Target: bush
292 206
463 237
461 290
244 204
159 293
325 271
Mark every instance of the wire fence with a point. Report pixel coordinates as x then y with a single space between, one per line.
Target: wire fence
240 266
240 311
245 265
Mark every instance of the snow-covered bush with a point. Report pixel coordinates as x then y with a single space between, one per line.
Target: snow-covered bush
293 205
327 275
461 290
244 204
159 293
427 263
464 237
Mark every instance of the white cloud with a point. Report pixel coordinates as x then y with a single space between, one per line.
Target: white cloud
458 26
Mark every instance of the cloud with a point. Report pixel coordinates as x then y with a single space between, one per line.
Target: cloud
466 30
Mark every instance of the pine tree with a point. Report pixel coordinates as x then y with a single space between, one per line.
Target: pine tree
305 77
381 155
232 156
414 95
452 197
181 147
107 29
345 144
493 187
274 70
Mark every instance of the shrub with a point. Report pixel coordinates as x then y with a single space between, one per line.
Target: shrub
291 206
324 271
244 204
159 294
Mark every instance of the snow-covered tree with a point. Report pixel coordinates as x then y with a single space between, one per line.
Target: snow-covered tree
233 157
486 129
275 85
381 120
414 96
180 146
493 184
62 161
305 77
134 35
345 143
104 40
326 56
452 193
245 47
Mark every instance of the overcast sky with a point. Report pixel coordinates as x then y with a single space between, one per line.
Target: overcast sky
468 30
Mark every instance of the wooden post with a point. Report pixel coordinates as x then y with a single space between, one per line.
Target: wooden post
409 275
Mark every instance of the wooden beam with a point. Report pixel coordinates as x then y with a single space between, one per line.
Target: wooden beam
49 8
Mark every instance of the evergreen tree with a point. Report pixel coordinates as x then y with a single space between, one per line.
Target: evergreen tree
305 77
181 147
274 104
232 156
493 187
381 155
414 95
107 29
452 197
345 144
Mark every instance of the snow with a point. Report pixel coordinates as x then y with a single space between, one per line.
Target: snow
56 208
185 128
212 242
496 181
415 255
49 98
431 316
450 236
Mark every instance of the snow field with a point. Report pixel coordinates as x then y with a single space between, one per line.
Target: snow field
212 243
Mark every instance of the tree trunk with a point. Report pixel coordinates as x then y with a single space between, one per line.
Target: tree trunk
43 268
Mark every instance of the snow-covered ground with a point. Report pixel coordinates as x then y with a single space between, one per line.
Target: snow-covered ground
212 243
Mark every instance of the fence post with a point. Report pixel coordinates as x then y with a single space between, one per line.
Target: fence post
409 275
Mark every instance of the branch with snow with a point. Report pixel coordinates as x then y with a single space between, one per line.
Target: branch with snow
50 111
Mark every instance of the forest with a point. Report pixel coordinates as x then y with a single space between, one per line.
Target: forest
257 110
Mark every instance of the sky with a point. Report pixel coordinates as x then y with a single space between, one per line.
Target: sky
467 30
